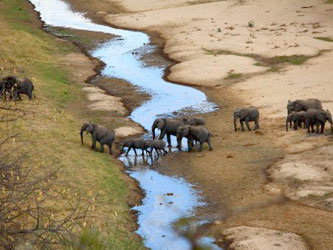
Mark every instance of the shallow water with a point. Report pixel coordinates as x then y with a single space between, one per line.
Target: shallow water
167 198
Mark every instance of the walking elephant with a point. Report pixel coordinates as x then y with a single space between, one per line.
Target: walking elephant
247 115
100 134
194 133
318 118
168 126
134 143
303 105
158 145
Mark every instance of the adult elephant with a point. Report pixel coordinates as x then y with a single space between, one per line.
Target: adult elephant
303 105
194 133
100 134
168 126
318 118
195 121
247 115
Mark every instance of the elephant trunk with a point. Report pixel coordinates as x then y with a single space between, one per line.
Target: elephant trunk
153 130
81 134
235 123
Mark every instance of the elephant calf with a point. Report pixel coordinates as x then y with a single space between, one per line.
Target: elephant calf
247 115
135 143
194 133
318 118
158 145
100 134
297 118
16 87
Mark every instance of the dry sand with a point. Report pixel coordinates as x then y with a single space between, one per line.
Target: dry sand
232 46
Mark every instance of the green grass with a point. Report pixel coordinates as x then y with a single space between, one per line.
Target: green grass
295 59
326 39
51 133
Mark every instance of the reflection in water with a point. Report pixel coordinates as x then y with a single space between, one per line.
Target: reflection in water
167 199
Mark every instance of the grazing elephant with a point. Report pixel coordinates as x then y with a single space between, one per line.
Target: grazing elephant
23 86
100 134
318 118
158 145
297 118
303 105
167 126
196 133
195 121
135 143
248 115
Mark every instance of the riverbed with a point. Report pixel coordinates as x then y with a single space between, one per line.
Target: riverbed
167 199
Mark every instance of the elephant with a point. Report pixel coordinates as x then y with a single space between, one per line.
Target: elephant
7 84
318 118
248 115
100 134
303 105
158 145
167 126
195 121
135 143
297 118
196 133
16 87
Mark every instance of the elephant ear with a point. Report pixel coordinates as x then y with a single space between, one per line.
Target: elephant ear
161 123
89 128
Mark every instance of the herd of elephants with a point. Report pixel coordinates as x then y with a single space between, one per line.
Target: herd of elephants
307 113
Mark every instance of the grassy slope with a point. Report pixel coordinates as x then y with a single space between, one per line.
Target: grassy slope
51 133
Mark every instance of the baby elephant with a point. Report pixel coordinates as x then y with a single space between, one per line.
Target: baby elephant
158 145
194 133
135 143
246 115
297 118
100 134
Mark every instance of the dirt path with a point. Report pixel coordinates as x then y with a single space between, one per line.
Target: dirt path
249 52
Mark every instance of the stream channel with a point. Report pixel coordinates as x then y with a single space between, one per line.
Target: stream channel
167 199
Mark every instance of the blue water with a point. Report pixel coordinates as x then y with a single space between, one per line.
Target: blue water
158 210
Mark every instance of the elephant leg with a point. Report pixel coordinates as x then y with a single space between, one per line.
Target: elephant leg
209 144
157 151
317 127
312 129
242 124
93 145
129 148
162 134
247 124
322 127
135 151
169 139
102 147
143 152
110 149
179 143
200 146
190 144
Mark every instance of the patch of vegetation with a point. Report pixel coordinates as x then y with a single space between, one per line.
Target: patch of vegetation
326 39
202 1
232 76
251 24
329 1
295 59
48 133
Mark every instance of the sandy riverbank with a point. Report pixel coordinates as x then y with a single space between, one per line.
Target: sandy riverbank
244 52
